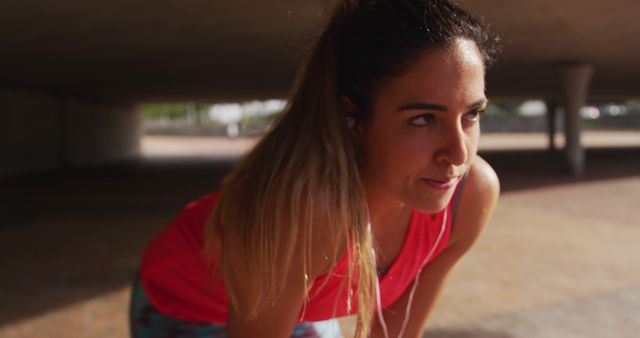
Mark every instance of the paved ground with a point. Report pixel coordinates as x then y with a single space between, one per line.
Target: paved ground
561 257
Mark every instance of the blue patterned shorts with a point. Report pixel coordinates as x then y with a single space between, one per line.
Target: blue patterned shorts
146 322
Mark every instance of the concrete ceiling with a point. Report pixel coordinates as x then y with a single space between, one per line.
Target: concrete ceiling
224 50
540 36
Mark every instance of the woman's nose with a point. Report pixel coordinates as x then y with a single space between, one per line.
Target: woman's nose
453 148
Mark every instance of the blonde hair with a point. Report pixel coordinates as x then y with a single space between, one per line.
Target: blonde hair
306 160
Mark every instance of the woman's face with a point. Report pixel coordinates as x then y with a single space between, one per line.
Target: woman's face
423 132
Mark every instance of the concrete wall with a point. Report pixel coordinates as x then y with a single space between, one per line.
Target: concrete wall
538 124
43 132
508 123
99 133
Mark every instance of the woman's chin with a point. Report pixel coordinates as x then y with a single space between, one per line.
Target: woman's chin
432 207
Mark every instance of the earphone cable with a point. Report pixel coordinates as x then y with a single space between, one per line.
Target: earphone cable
416 279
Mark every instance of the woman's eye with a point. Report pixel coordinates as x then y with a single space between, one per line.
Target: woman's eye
473 115
423 120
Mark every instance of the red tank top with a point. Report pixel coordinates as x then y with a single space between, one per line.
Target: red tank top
177 282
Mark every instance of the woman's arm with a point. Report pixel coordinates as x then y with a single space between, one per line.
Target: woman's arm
278 319
275 320
476 205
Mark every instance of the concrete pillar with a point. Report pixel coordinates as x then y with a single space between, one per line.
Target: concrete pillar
40 132
575 83
552 115
30 133
101 132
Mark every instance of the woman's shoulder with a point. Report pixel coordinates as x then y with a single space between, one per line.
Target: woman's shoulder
183 235
202 205
477 202
483 179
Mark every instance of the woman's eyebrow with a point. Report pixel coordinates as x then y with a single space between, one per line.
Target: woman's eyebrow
435 106
423 106
479 103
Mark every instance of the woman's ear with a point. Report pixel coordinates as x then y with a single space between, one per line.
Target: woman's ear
351 115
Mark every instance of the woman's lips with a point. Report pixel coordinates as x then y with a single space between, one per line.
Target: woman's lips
441 184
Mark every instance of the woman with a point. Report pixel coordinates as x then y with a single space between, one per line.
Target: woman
359 200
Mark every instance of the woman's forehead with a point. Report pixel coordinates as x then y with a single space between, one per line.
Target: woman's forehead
441 72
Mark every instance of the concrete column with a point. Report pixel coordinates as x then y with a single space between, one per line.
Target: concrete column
101 132
30 134
40 132
575 82
552 107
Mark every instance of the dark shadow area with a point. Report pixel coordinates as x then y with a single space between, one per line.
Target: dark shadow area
72 235
453 333
527 169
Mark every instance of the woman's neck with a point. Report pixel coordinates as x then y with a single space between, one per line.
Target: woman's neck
386 214
389 226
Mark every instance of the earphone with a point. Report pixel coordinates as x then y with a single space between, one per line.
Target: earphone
415 280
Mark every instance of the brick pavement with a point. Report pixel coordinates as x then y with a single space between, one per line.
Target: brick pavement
611 314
